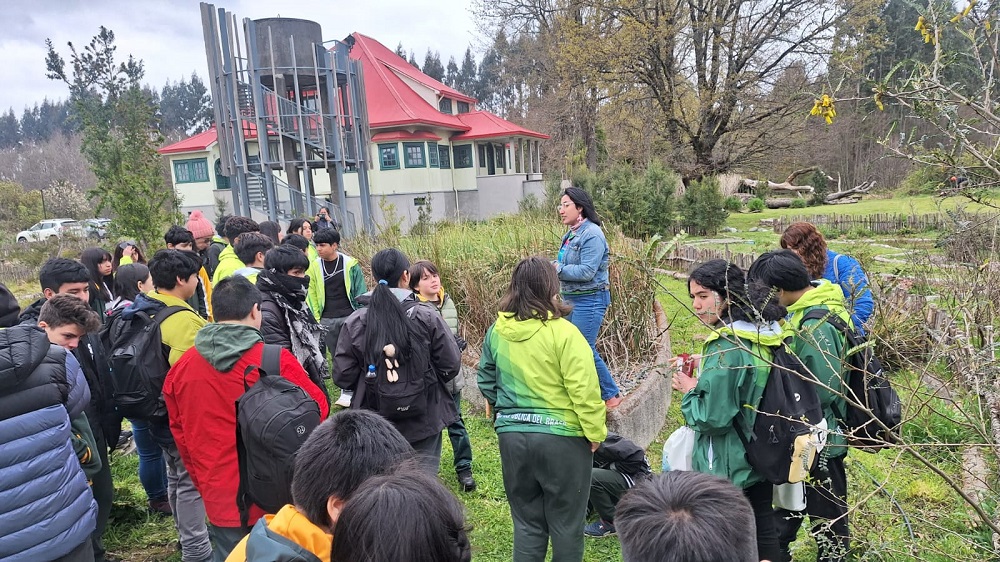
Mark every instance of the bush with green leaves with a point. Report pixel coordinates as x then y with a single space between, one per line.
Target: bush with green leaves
733 204
821 187
701 208
923 180
756 205
798 203
20 208
640 203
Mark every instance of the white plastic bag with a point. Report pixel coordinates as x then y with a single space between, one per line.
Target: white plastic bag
789 496
678 449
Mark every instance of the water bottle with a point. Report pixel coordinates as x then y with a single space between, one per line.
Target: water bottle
370 375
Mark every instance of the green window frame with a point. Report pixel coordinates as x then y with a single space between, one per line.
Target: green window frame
433 156
415 155
445 105
444 156
388 156
463 156
194 170
463 107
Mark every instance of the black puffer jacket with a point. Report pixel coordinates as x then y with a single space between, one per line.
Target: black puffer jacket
623 456
428 330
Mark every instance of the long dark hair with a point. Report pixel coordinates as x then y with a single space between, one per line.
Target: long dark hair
127 280
386 320
750 304
99 284
582 199
533 291
406 515
296 225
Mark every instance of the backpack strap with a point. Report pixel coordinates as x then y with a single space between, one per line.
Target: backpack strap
836 269
270 359
829 317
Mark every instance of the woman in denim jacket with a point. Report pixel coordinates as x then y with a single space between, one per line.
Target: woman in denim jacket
583 274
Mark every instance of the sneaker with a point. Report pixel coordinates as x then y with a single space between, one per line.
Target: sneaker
613 402
123 439
160 507
345 399
466 481
599 529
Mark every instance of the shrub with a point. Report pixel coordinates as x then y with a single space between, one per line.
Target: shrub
20 208
701 208
641 204
733 204
798 203
822 188
756 205
923 180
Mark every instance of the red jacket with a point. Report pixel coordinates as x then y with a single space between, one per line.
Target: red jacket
201 402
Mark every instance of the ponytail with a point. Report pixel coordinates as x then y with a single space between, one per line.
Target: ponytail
386 321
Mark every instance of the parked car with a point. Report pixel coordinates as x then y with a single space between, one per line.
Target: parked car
50 228
96 228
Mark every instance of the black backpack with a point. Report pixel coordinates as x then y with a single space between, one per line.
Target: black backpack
273 419
398 391
782 442
139 363
866 386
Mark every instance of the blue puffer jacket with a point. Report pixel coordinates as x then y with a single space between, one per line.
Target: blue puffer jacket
583 261
46 506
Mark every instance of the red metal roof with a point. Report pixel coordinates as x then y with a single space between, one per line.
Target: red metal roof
483 124
404 135
391 102
390 59
202 141
197 143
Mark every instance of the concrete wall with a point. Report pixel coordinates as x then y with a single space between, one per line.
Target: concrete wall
196 194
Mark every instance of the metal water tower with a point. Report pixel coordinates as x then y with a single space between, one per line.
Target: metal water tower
276 80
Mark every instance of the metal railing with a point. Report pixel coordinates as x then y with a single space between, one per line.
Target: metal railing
291 203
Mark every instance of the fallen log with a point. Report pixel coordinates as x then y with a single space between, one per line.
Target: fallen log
858 189
785 187
778 202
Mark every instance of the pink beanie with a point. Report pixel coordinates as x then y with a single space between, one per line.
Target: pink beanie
199 226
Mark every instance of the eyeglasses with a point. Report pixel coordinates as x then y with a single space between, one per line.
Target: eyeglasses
564 205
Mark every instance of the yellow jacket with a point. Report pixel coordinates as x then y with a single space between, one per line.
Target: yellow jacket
290 524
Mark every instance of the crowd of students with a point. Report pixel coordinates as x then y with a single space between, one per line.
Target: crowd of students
218 295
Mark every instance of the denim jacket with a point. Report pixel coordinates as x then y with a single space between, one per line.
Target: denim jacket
584 265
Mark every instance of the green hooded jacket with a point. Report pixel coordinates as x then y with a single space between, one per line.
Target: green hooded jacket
354 282
821 347
540 377
228 264
734 366
223 344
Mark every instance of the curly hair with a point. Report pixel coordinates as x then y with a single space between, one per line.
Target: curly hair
803 239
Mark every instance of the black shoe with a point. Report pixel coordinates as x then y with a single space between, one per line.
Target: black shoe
123 439
466 481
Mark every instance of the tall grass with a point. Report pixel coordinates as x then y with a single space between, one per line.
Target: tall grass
476 260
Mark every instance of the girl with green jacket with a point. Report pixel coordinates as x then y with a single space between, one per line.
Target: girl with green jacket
715 401
537 372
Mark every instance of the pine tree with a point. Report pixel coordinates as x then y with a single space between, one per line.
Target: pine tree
400 51
467 77
10 130
451 73
413 61
432 66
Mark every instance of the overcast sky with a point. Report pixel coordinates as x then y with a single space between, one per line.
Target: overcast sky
167 34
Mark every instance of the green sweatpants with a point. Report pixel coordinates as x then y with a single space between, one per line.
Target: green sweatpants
547 480
606 488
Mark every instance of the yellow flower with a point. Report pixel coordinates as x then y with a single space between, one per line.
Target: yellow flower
878 102
824 107
920 24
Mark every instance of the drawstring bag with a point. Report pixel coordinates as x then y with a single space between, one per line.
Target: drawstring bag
678 449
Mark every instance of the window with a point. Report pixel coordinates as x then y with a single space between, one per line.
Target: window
463 156
419 201
482 154
463 107
444 156
445 105
388 156
191 171
432 154
414 154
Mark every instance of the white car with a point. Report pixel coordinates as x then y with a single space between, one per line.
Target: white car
48 229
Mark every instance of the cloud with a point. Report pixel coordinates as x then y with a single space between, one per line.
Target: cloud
167 34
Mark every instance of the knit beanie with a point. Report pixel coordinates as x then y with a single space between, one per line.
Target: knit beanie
199 226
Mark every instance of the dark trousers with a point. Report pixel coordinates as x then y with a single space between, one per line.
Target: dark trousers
547 481
104 493
606 488
759 495
224 540
429 453
461 447
826 506
82 553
